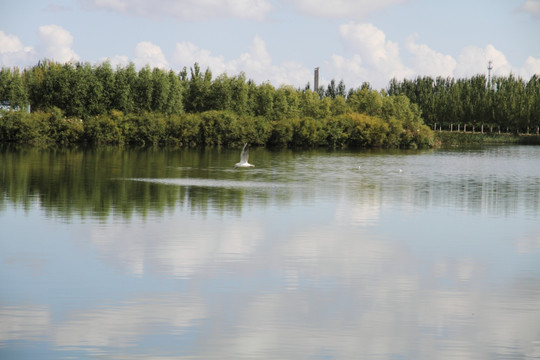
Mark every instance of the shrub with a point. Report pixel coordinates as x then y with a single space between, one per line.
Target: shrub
218 127
183 130
254 130
40 128
104 129
144 129
308 132
281 133
63 130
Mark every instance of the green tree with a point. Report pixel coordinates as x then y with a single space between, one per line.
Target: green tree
264 100
88 92
331 90
339 106
220 93
309 104
13 88
161 88
533 95
174 103
286 103
239 94
143 90
5 80
293 101
124 89
54 89
365 101
105 75
196 99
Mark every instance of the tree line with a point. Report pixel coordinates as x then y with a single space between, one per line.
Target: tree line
500 104
82 90
80 102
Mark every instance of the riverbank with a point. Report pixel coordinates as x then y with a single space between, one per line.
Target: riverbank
449 139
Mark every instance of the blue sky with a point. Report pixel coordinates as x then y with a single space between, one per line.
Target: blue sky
281 41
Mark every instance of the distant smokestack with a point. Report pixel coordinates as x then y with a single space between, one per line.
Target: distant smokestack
316 80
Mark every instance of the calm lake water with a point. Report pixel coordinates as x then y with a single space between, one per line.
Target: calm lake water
168 254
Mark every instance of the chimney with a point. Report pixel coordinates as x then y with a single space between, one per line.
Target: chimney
316 80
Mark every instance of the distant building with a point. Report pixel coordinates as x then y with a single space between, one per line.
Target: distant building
6 106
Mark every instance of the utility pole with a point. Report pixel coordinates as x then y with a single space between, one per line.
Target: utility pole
490 67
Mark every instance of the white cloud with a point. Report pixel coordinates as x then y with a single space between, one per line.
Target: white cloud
13 52
256 63
370 42
342 8
532 7
114 5
258 60
426 61
118 60
188 10
375 58
351 70
55 43
246 9
186 54
369 57
10 43
147 53
531 67
474 60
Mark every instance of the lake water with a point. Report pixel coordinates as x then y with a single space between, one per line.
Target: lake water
169 254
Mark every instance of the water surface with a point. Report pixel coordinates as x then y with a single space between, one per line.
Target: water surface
130 253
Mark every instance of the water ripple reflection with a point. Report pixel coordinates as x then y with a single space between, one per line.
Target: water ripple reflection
215 183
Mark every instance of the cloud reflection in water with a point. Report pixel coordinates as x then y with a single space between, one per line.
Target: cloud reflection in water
439 261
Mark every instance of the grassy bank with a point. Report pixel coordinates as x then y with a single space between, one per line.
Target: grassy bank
447 138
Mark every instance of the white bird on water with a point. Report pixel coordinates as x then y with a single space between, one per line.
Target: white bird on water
244 158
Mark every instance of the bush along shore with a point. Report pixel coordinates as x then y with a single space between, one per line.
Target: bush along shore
212 128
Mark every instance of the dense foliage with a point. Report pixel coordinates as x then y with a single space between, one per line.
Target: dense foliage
78 102
211 128
503 104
